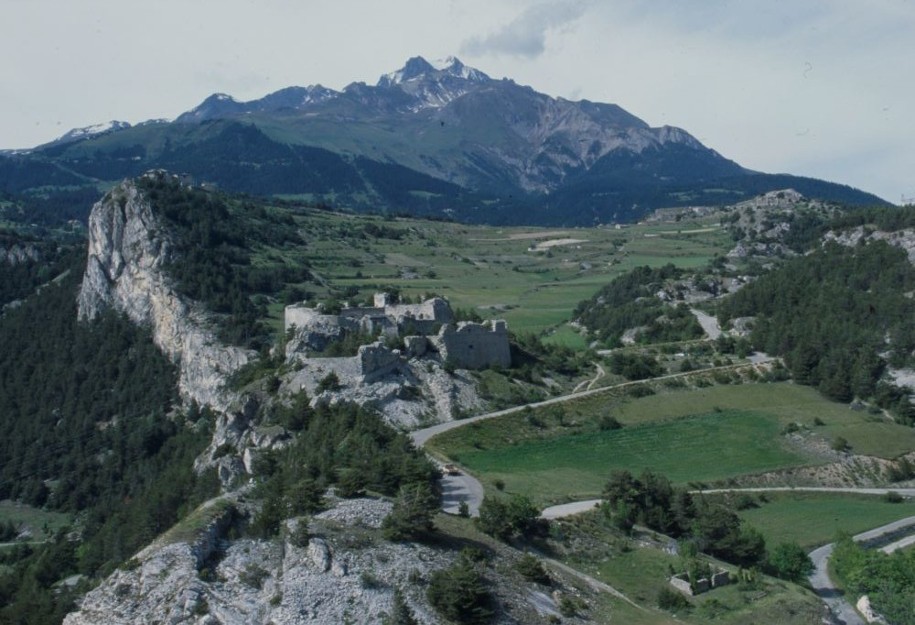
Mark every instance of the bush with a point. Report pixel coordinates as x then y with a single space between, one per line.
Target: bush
608 422
411 517
401 614
789 561
672 601
505 520
532 570
459 594
299 537
329 382
253 576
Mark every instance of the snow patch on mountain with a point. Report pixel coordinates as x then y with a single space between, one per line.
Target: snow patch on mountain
94 130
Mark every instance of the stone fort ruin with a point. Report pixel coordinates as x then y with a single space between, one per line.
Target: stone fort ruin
427 329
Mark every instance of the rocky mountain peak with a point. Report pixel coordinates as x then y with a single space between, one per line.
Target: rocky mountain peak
417 68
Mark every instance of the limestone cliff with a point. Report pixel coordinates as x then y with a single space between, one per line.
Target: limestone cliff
128 249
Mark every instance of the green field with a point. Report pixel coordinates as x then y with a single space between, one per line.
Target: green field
41 522
694 435
641 572
531 277
743 442
813 519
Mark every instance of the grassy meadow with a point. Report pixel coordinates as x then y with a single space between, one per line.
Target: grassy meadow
563 453
42 523
531 277
814 519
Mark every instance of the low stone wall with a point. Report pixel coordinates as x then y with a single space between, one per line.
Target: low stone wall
681 582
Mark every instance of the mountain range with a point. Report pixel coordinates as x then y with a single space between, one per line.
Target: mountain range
434 138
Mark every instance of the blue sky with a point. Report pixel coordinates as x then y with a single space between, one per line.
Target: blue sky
811 87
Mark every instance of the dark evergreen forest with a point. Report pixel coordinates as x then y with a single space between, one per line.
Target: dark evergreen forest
91 428
830 313
213 256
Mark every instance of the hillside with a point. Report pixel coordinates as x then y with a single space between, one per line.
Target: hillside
443 140
160 373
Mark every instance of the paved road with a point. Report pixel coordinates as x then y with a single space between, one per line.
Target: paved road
843 611
461 488
569 509
899 544
577 507
905 492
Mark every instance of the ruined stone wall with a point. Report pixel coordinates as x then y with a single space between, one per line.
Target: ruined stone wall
435 310
300 316
474 345
377 361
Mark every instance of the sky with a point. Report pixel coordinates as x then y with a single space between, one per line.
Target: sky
822 88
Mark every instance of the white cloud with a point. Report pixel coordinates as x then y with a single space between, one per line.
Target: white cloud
525 36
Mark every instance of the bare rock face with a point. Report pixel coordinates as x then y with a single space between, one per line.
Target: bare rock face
128 249
903 239
255 581
16 254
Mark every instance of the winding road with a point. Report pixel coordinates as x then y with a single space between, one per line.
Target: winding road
841 609
462 488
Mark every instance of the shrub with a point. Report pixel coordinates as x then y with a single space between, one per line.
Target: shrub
369 580
458 593
329 382
608 422
789 561
671 600
401 614
411 517
253 576
300 535
507 519
532 570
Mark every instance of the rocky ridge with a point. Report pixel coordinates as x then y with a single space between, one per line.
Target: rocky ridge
342 573
903 239
128 250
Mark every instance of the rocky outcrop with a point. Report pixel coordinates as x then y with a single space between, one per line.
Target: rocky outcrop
903 239
18 253
344 573
412 391
129 248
